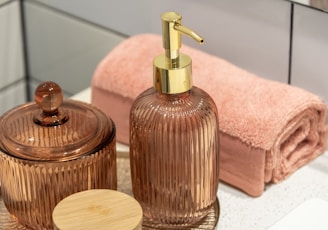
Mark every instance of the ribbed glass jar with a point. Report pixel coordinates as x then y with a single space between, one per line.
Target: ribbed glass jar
174 155
31 190
51 149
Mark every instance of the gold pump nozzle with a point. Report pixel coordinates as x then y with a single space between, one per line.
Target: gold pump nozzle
189 32
172 71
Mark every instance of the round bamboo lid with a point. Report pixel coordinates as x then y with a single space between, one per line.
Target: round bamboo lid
98 209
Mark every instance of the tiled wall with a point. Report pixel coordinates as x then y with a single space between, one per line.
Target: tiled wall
310 50
253 35
64 48
12 78
65 42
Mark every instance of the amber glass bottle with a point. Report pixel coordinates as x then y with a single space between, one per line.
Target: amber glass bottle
174 139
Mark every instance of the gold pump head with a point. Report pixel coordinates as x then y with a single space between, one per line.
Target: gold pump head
172 70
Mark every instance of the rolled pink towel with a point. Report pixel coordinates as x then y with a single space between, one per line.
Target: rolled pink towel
267 129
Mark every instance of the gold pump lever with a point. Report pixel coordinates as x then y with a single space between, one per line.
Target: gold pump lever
171 32
189 32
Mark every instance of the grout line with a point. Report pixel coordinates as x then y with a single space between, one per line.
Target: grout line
291 43
25 50
72 16
8 86
24 17
6 3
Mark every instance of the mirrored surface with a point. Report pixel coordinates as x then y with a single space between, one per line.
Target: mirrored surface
317 4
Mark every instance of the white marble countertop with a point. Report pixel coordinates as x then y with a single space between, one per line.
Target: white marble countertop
240 211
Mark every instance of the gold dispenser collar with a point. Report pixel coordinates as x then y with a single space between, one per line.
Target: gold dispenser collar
172 70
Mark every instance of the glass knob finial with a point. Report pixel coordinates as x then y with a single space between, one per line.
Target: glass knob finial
49 97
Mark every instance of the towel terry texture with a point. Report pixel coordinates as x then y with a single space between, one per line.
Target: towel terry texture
268 129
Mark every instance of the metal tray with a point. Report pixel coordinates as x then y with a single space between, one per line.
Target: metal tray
8 222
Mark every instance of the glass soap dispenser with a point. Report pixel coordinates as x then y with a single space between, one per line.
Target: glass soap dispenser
50 149
174 138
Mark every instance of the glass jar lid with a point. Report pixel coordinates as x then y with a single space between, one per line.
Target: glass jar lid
53 129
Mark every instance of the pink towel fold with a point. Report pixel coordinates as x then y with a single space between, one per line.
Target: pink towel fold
267 129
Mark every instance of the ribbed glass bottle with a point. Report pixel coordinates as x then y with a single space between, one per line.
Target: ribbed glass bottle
174 155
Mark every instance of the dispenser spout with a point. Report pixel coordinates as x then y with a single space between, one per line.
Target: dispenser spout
189 32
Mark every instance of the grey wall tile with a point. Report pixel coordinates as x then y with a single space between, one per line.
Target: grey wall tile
310 50
3 1
254 36
11 51
64 49
12 96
